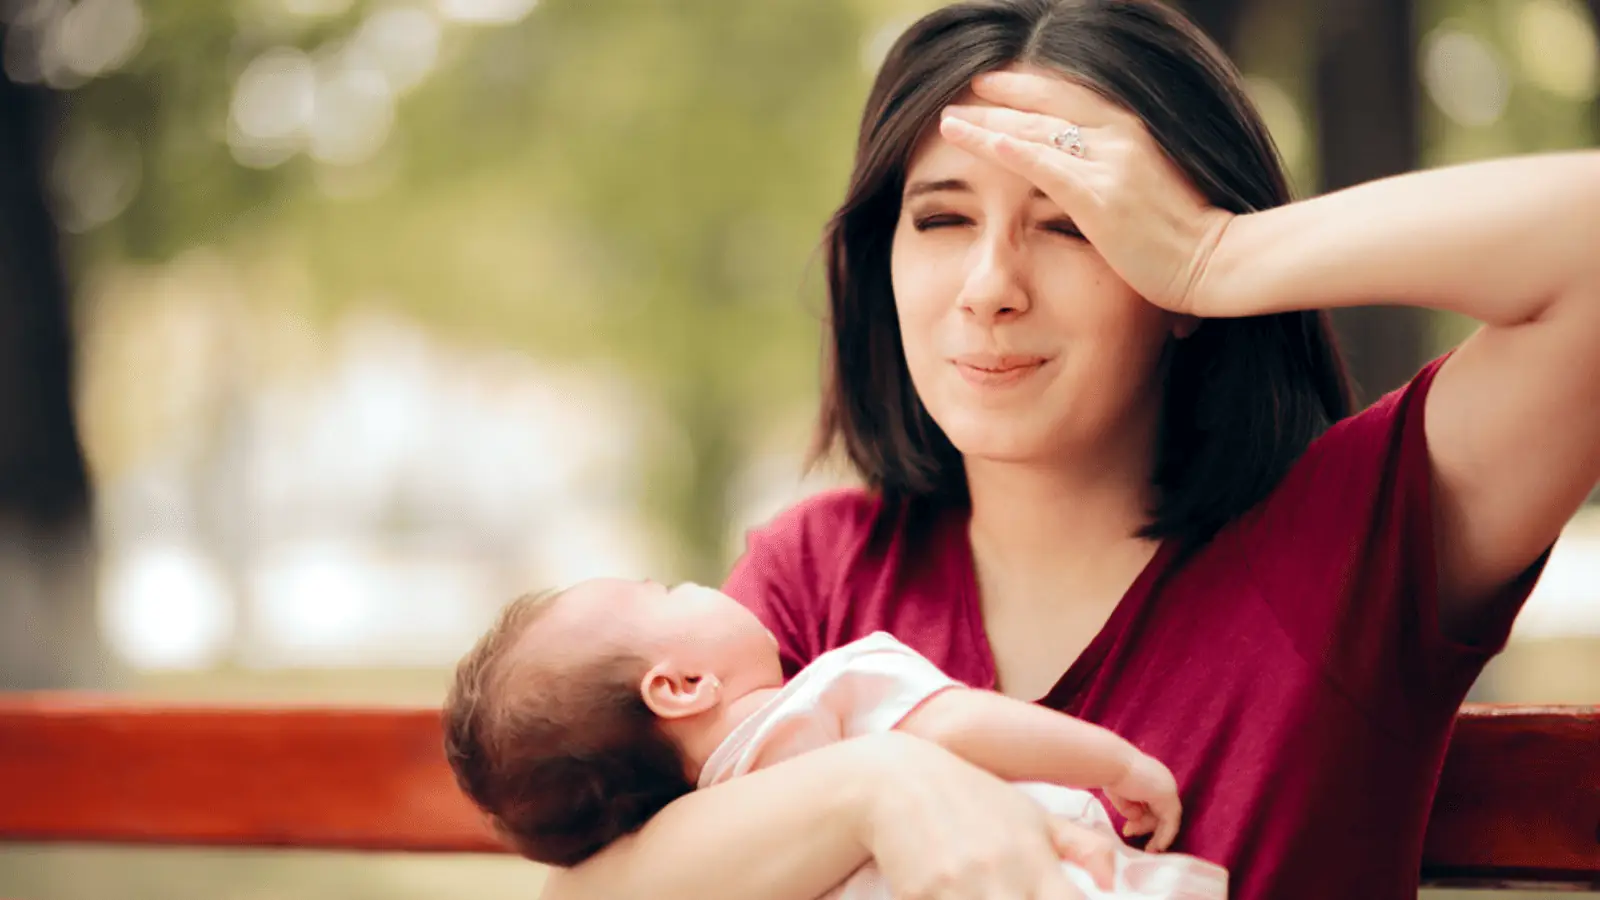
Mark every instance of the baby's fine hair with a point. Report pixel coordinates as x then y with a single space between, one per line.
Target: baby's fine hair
563 760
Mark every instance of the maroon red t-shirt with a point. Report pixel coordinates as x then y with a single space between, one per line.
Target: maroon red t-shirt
1291 671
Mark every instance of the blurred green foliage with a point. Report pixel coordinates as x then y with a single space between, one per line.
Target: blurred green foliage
629 183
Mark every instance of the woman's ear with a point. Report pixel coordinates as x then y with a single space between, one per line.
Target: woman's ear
1184 326
672 692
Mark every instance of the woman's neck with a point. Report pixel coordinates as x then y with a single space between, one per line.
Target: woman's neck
1072 521
1042 513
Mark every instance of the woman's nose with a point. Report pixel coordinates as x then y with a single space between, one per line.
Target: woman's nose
995 288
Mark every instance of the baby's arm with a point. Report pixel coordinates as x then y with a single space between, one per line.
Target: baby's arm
1020 741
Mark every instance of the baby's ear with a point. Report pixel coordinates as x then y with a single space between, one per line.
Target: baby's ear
672 692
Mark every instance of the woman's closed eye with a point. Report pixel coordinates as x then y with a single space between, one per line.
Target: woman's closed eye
939 220
1062 226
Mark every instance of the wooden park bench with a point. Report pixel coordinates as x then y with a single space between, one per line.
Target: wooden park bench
1518 806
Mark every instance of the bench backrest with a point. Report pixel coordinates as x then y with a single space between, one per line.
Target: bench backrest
1519 802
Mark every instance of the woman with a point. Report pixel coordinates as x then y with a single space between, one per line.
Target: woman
1074 353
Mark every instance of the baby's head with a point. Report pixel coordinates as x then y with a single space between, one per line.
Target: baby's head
582 712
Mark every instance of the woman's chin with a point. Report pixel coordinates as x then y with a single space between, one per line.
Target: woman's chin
1000 442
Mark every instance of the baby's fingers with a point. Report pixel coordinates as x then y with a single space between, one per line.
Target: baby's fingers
1165 833
1141 822
1128 807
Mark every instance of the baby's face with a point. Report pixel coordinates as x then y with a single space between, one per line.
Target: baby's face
694 626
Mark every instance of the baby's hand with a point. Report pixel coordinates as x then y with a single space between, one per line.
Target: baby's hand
1147 796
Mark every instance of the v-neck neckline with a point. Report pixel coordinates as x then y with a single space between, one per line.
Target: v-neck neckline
1070 684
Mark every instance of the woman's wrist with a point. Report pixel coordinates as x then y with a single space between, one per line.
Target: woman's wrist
1230 284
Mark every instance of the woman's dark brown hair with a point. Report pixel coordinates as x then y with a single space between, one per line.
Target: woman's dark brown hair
1244 397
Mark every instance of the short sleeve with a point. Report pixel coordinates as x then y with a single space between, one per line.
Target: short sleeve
869 685
885 681
1342 552
866 686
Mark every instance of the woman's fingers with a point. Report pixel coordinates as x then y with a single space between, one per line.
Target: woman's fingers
1051 96
1055 173
1132 204
1040 129
1088 848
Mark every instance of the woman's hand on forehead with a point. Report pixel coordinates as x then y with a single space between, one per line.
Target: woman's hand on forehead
1098 163
1051 95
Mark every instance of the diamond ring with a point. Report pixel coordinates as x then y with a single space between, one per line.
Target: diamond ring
1069 140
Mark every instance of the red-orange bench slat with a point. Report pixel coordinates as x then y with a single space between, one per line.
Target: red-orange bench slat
1519 801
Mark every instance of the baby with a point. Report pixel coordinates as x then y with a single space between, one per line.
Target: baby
583 712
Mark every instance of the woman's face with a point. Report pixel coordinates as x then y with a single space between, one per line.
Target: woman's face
1022 343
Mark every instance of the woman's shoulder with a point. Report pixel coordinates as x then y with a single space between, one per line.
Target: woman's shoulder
1375 458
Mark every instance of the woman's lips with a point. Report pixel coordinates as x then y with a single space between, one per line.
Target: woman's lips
985 370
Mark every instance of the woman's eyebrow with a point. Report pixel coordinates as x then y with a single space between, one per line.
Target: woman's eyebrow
918 188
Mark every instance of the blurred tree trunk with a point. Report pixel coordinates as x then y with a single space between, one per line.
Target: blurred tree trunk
48 631
1366 107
